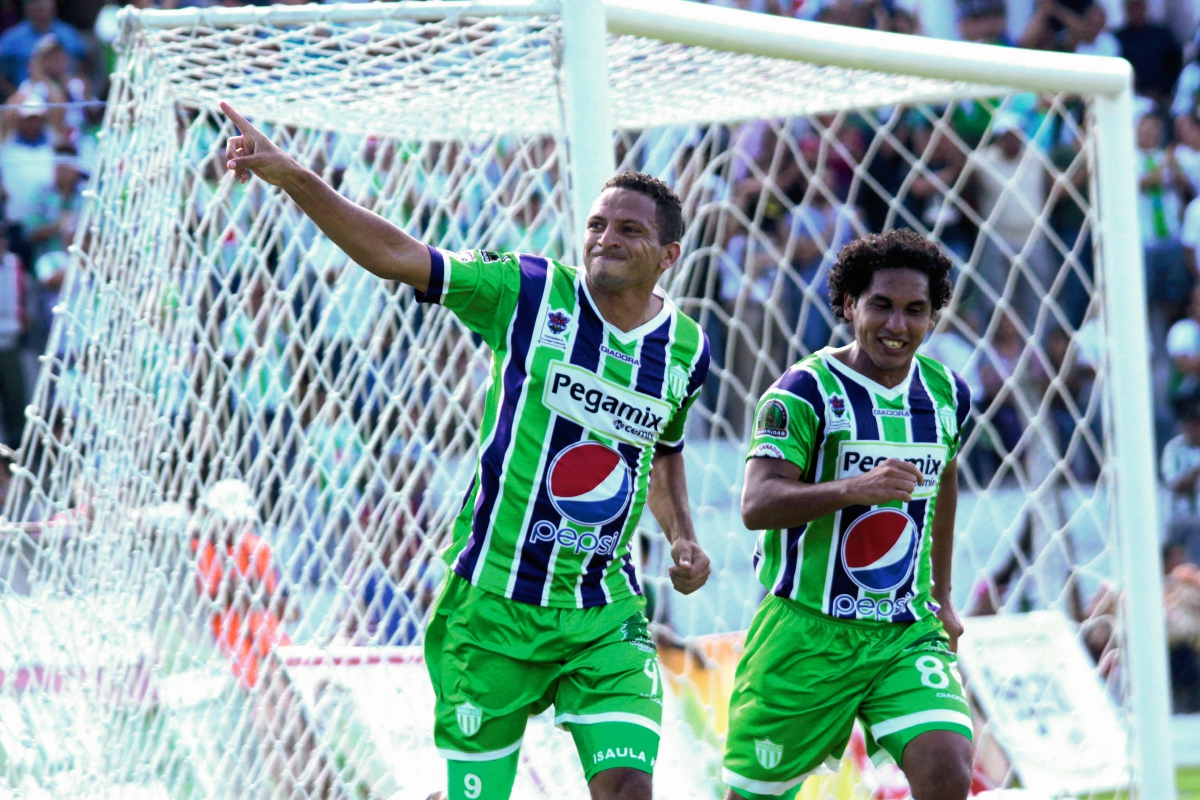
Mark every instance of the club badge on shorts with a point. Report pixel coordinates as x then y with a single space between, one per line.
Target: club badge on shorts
769 754
469 718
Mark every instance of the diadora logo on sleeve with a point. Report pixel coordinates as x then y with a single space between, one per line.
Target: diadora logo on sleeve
856 458
581 395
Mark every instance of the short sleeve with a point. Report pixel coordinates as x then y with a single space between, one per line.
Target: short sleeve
479 286
787 427
671 439
962 412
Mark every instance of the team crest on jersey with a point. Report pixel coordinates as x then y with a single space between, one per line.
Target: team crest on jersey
836 420
879 549
677 381
469 718
768 753
772 420
589 483
554 329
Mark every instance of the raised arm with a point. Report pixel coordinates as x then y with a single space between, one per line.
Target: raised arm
668 503
377 245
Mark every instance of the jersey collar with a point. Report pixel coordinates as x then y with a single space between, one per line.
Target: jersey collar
899 390
625 337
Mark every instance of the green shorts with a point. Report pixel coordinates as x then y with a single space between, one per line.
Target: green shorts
494 662
805 676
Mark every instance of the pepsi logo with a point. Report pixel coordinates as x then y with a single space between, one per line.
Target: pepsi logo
879 549
589 483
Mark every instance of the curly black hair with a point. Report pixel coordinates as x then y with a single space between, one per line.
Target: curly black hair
858 261
669 209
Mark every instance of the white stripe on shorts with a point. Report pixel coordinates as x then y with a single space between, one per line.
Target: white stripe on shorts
888 727
491 755
608 716
767 787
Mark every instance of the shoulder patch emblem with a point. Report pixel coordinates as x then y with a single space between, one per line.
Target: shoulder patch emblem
488 256
766 450
772 420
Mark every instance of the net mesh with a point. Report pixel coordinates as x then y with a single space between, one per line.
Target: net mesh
218 368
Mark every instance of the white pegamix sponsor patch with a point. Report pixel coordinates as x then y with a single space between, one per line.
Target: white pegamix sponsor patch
856 458
604 406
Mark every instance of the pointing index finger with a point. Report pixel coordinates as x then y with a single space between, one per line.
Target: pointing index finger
244 126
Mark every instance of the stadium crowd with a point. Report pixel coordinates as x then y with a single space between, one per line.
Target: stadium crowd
54 76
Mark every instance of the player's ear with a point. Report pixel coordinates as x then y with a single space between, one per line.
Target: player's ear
848 301
670 256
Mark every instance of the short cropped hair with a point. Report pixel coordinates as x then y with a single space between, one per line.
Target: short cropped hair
858 262
668 208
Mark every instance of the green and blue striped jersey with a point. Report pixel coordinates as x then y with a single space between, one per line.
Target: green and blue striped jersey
862 562
575 411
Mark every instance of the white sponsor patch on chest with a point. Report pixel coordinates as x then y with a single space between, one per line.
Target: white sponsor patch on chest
603 406
857 458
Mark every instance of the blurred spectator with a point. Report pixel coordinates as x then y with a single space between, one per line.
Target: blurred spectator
984 21
1088 33
12 326
1181 473
1186 150
55 211
1187 89
1160 184
1189 238
1012 190
26 171
53 78
19 42
1071 26
1153 51
1183 346
1181 602
238 578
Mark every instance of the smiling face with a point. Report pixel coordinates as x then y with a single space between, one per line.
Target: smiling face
890 319
621 249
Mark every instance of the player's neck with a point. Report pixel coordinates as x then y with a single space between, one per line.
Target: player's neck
626 309
853 357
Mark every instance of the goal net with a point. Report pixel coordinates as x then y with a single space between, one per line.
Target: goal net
220 542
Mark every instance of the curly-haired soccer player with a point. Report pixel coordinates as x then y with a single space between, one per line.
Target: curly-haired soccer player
593 373
852 478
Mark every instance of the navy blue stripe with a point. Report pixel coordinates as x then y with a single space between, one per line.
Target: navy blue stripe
652 371
491 461
867 428
803 384
792 563
916 510
962 400
920 405
437 278
700 371
842 583
535 556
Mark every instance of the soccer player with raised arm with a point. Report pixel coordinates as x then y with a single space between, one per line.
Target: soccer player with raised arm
593 373
852 478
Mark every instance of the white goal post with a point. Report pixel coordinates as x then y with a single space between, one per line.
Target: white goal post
218 369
